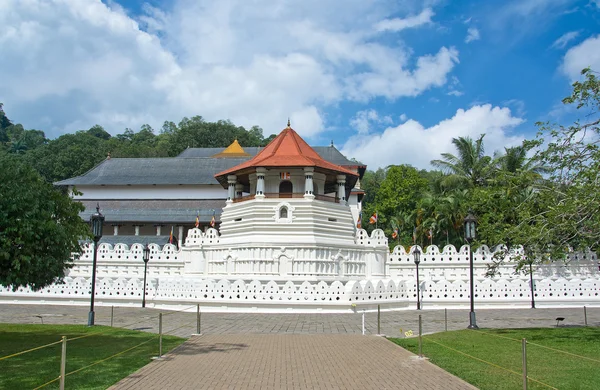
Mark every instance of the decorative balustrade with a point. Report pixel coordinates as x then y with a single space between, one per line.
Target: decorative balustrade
377 238
197 237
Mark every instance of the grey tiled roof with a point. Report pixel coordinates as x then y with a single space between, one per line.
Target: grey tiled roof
192 166
136 171
155 211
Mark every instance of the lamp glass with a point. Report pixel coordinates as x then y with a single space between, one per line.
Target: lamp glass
97 221
470 223
417 255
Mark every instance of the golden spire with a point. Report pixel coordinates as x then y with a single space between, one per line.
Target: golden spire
233 150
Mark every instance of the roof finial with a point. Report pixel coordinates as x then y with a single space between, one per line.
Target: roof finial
108 156
331 143
288 123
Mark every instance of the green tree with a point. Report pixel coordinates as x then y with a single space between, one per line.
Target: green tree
398 192
39 227
471 167
573 154
99 132
67 156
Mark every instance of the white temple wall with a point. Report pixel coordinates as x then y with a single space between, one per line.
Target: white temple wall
307 222
304 278
200 191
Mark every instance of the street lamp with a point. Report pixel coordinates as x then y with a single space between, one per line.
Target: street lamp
97 222
417 257
146 259
470 227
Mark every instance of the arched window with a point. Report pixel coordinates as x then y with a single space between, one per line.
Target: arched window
285 189
283 212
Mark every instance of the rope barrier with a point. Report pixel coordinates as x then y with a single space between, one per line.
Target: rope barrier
490 363
97 362
30 350
110 357
542 346
182 326
93 334
128 325
178 311
47 383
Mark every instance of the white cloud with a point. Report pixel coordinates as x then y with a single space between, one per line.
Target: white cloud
455 93
68 64
403 117
411 143
564 40
364 120
587 53
472 35
399 24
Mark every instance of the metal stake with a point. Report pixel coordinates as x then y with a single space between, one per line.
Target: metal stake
445 319
63 363
363 322
585 315
160 335
198 319
524 344
420 337
112 315
378 319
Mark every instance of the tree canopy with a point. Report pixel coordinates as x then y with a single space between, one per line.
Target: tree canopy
39 227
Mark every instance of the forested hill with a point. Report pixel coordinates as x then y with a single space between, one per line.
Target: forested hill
74 154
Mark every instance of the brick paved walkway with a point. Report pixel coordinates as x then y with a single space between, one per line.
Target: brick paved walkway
294 351
183 324
296 361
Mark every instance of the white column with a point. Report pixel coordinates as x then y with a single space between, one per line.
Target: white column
137 229
231 180
308 183
115 230
239 190
260 183
180 236
341 181
158 230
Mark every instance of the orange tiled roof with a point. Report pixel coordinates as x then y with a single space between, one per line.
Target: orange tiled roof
288 149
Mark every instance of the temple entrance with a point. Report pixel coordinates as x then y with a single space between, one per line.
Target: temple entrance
285 189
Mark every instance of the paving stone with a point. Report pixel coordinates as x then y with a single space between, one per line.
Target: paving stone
292 351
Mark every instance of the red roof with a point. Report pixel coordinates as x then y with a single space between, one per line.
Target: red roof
288 149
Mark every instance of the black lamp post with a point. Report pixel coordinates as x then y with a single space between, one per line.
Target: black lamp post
97 222
470 227
146 259
417 256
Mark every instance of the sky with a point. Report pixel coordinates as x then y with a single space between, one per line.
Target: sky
388 82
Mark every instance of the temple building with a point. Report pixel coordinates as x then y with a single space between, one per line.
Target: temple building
284 238
147 199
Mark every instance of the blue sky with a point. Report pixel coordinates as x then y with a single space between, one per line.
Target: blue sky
389 82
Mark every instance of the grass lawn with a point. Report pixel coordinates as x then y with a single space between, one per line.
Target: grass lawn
36 368
554 369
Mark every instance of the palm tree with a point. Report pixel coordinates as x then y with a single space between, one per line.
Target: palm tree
514 160
471 167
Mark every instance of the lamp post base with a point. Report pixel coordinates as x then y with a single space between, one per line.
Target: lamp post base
91 318
472 321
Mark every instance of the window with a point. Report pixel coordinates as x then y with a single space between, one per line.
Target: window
285 189
283 213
